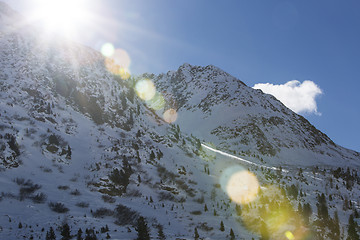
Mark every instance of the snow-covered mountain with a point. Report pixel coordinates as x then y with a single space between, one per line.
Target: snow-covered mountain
220 108
78 146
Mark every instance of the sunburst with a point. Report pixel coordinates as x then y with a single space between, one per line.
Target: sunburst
66 17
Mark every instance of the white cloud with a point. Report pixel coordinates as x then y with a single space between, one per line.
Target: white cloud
299 97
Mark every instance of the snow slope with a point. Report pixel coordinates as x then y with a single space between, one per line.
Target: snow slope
67 125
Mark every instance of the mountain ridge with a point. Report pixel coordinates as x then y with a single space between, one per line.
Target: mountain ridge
200 91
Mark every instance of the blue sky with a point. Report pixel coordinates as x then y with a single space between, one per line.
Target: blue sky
256 41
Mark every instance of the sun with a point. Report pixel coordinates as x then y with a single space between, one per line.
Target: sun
65 17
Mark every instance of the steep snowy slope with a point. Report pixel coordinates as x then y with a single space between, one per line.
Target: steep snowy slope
78 146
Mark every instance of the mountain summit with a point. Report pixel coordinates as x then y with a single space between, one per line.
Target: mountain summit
191 153
221 109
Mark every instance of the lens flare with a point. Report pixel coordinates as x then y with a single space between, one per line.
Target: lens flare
107 50
241 185
115 69
157 102
289 235
275 209
121 58
124 73
170 115
110 65
145 89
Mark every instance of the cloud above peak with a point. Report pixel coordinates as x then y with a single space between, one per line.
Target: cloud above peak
299 97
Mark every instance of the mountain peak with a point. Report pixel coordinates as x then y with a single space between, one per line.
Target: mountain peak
222 108
197 67
186 65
